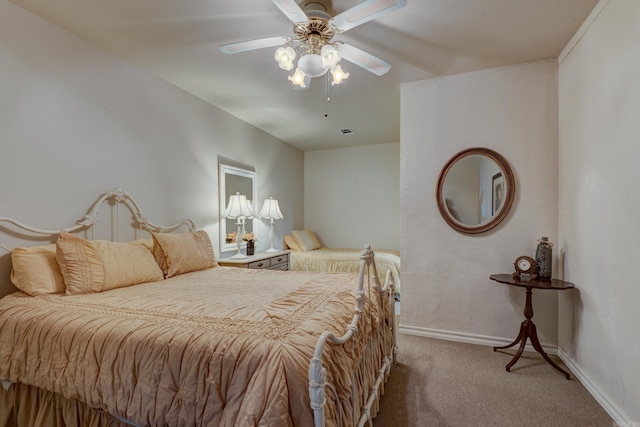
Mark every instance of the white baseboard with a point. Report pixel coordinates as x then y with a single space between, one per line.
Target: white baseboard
468 338
607 404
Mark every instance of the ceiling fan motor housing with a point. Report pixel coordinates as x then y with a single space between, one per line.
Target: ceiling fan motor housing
318 9
316 32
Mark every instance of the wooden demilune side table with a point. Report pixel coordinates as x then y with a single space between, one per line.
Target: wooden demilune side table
527 327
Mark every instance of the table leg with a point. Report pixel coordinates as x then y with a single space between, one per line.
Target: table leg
528 330
522 339
538 347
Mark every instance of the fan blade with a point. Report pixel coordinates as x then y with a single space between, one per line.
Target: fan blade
254 44
365 12
363 59
292 10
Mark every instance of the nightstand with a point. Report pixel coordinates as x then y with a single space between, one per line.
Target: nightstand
260 261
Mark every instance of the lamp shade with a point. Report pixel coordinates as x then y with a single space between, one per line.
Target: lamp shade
299 78
330 56
338 75
284 56
238 207
270 209
311 65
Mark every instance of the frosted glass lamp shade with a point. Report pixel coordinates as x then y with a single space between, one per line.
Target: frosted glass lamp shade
311 65
330 56
284 56
338 75
299 78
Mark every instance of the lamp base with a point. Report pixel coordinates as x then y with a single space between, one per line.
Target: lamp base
238 256
270 250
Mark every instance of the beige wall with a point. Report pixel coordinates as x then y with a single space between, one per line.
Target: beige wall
76 121
351 196
599 202
446 291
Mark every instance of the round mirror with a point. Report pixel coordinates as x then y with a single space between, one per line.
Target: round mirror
475 190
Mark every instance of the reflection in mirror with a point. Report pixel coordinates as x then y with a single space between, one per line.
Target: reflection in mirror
234 180
468 190
475 190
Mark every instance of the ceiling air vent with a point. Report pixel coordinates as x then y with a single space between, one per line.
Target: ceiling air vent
346 131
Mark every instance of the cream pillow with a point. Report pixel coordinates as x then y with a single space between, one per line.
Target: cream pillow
306 239
100 265
182 253
291 243
147 243
36 271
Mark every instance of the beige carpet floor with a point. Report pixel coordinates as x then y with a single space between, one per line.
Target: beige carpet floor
444 383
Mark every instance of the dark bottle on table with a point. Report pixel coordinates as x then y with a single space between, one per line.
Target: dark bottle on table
544 257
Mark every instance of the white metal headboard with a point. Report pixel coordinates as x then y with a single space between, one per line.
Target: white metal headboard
115 197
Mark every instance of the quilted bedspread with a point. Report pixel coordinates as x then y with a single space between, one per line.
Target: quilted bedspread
220 347
346 260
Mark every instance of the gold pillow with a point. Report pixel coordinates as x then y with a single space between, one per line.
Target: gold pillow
36 271
306 240
100 265
182 253
291 243
147 243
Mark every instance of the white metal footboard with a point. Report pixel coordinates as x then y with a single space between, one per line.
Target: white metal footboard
318 374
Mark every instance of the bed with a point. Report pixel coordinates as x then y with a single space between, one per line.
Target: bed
213 345
307 254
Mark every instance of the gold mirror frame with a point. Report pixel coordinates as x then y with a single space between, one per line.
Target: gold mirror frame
510 191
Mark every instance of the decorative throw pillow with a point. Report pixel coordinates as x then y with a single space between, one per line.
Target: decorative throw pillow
100 265
306 239
35 270
182 253
291 243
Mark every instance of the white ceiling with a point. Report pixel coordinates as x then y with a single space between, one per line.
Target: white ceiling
178 41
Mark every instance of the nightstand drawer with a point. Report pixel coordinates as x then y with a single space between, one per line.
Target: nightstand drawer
260 261
281 259
263 263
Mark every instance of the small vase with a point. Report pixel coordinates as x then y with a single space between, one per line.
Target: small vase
250 248
544 257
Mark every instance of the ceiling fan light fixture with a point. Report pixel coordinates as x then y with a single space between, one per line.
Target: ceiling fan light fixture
330 56
311 65
313 30
338 75
299 78
284 56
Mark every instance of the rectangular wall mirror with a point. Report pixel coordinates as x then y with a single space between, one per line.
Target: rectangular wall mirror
232 180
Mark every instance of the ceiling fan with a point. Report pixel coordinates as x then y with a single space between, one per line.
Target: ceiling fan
313 31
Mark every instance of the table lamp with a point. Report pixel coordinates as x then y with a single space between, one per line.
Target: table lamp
238 209
270 210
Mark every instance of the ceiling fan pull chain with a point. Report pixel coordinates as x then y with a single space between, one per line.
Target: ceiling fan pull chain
326 94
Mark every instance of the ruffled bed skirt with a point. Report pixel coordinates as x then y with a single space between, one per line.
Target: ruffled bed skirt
22 406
